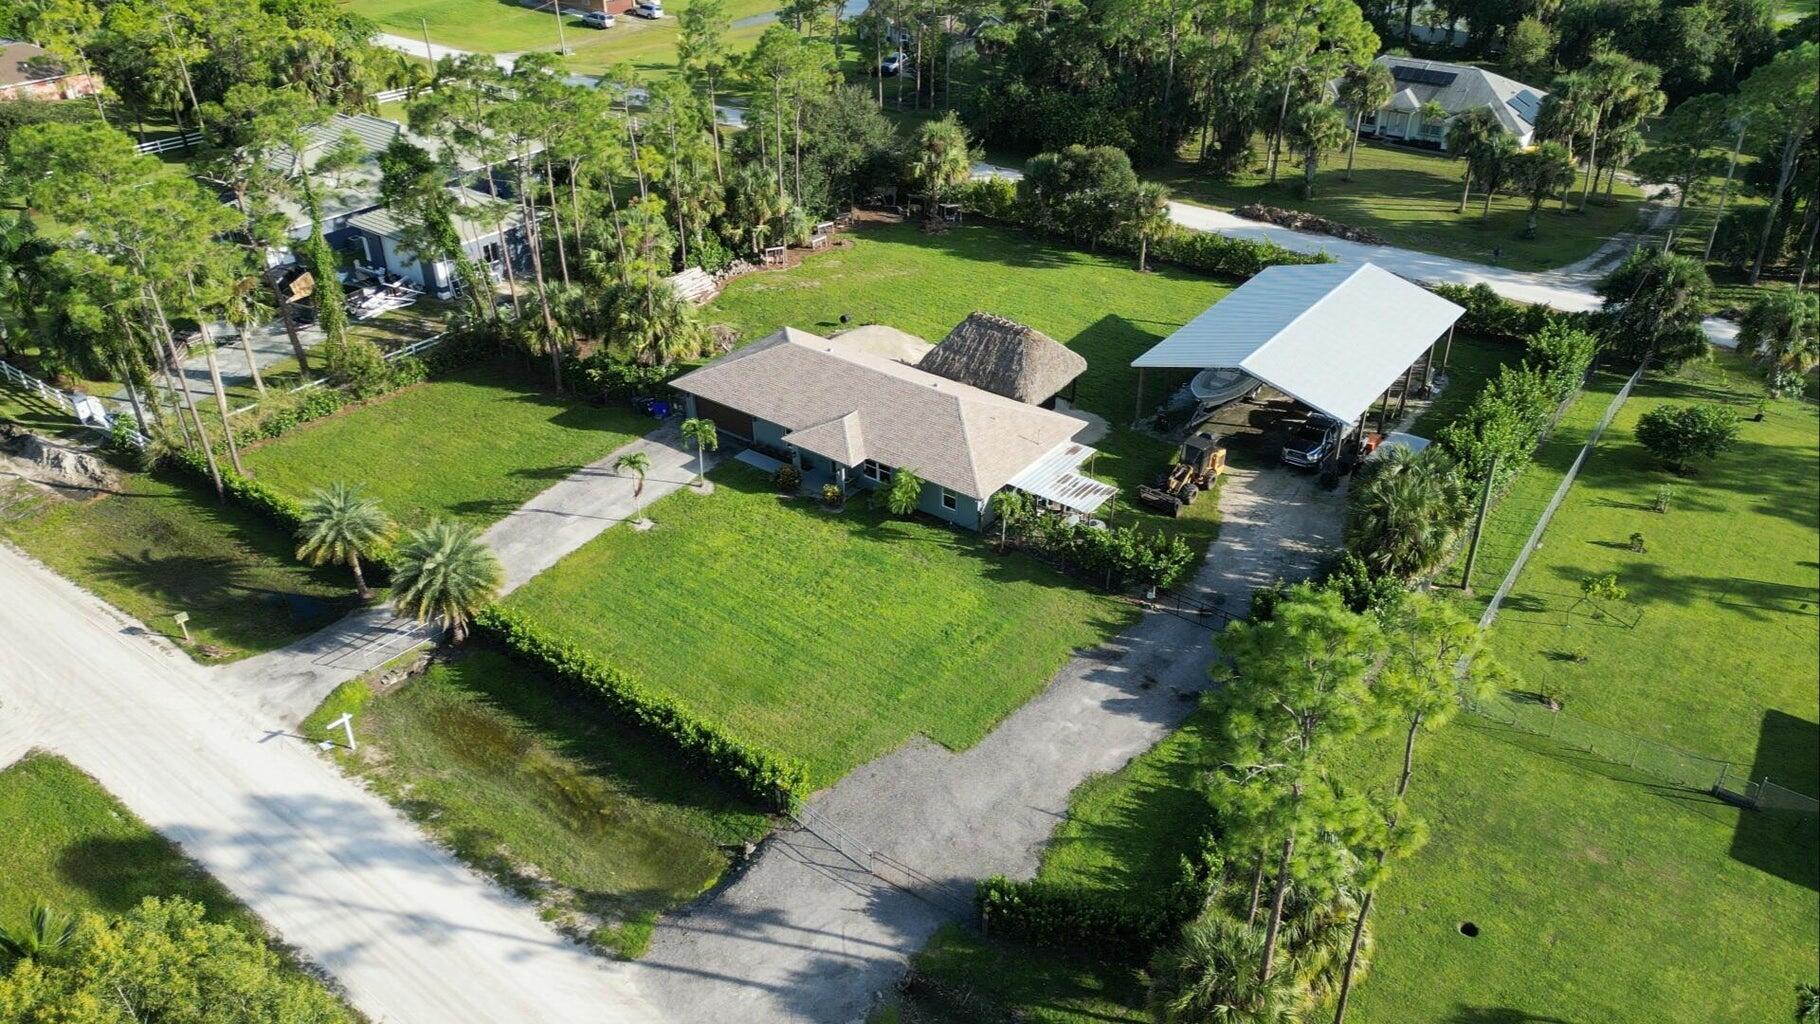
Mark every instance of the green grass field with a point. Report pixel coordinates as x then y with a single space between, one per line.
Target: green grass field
1718 631
472 446
1408 196
833 637
499 26
541 791
163 545
1472 363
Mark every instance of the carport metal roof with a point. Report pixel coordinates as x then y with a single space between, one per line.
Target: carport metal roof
1331 336
1057 477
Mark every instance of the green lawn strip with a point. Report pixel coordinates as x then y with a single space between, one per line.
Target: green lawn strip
162 544
926 284
1599 895
831 637
1718 629
963 979
72 846
1408 196
537 788
472 446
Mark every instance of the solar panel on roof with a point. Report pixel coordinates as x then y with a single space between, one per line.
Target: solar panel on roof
1527 104
1423 76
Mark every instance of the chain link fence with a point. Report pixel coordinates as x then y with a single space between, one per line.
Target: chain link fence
1724 779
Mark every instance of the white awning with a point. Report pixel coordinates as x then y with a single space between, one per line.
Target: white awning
1056 477
1333 337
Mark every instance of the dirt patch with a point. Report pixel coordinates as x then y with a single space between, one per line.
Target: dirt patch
73 470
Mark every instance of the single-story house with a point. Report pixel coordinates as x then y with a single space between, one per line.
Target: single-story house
1335 337
30 72
845 414
1457 88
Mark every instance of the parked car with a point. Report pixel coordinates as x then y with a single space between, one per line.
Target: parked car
652 9
597 19
893 64
1311 441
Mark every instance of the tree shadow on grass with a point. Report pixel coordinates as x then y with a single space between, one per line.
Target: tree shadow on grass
1784 843
117 873
1502 1015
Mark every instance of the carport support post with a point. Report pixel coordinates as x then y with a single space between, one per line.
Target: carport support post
1448 351
1137 413
1428 368
1383 410
1403 392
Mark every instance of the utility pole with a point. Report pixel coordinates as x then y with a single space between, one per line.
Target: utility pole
1478 529
429 53
562 45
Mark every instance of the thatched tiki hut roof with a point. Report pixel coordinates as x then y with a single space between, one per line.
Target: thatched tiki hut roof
1004 357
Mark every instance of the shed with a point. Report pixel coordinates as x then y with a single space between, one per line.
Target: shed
1332 336
1006 358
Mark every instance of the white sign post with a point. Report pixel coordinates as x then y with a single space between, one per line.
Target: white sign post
346 724
182 619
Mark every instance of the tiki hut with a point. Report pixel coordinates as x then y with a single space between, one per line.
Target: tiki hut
1006 358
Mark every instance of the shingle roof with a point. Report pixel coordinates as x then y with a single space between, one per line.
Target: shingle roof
834 398
27 62
1004 357
1462 87
471 220
1332 336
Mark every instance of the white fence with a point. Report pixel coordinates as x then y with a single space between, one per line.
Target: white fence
68 403
420 345
184 141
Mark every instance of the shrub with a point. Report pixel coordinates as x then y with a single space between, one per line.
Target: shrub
903 493
761 774
1362 589
995 198
788 478
832 496
710 253
1679 434
1491 314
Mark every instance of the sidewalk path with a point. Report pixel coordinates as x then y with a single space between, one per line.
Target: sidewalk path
288 683
808 935
413 936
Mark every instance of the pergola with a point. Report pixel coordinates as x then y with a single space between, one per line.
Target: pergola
1336 338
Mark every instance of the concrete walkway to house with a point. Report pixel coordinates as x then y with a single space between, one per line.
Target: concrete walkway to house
412 935
809 934
290 682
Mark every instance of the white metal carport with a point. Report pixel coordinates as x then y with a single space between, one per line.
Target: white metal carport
1057 477
1331 336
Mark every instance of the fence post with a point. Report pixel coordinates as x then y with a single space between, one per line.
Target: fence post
1724 768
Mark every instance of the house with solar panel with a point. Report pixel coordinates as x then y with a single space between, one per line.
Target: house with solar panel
1456 88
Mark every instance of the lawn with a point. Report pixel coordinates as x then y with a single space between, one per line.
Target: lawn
925 284
500 26
162 545
1471 364
541 791
1408 196
831 637
473 446
1718 631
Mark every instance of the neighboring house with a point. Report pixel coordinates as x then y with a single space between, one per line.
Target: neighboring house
845 414
382 245
1457 88
341 157
30 72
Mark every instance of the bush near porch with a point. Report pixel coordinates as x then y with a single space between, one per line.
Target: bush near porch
830 637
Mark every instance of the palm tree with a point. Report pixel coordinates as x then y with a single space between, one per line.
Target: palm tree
940 161
1490 165
706 439
1315 129
1149 218
342 525
445 572
1538 173
1406 511
1363 89
1465 136
637 464
1782 328
48 933
246 309
1210 975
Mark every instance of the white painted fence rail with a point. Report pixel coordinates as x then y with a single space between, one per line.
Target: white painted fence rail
184 141
66 402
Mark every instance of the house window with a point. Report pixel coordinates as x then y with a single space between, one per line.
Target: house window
949 501
490 252
875 472
808 463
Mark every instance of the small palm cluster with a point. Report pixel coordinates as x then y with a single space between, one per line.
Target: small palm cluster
442 571
47 933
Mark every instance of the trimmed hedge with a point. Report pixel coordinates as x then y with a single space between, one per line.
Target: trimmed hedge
1112 927
762 774
1495 316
